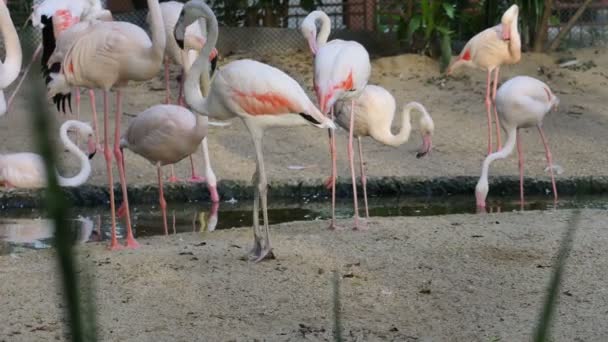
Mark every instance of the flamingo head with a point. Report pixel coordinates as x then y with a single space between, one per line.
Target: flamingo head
427 128
86 130
481 192
309 31
509 18
189 14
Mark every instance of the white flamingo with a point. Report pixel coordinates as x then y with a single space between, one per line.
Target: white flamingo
9 69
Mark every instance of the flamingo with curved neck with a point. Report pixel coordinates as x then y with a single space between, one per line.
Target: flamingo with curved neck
9 69
374 113
261 95
26 170
342 70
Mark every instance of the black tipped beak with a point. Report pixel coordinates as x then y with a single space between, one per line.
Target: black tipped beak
92 155
213 65
421 154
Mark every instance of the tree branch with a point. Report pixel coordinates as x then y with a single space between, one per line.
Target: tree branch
563 32
543 25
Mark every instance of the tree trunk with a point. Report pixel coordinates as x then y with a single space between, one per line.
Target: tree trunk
543 27
563 32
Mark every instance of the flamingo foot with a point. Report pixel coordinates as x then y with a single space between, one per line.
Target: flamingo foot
122 211
334 226
131 243
329 182
264 254
196 179
360 225
173 179
114 246
215 197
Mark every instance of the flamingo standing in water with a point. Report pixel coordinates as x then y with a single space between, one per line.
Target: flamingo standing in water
522 102
342 70
374 112
26 170
488 50
165 134
193 43
109 55
261 95
9 69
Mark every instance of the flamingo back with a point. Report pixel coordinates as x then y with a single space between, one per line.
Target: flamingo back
22 170
524 101
374 111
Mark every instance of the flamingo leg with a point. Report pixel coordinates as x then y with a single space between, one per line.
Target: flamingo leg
173 178
496 120
520 157
180 100
131 243
161 197
94 111
108 156
549 161
488 110
77 90
209 174
262 187
195 178
351 160
331 182
257 243
363 178
167 88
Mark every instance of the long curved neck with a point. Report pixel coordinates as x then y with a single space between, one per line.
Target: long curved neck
506 150
323 34
12 64
515 42
199 72
157 29
388 138
85 165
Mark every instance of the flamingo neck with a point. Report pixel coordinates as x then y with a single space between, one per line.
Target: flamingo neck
515 42
199 72
157 28
85 165
481 190
10 68
325 30
388 138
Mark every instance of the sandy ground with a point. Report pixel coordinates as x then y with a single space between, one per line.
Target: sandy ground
445 278
576 132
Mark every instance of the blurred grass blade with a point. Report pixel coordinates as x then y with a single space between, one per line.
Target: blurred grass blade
336 308
57 208
542 329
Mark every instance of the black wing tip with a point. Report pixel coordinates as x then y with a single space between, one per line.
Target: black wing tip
310 119
60 101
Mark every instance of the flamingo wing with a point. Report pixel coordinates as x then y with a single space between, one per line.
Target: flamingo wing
23 170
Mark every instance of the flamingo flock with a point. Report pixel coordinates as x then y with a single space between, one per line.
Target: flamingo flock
83 47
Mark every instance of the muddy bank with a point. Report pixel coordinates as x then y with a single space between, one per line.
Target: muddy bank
96 195
443 278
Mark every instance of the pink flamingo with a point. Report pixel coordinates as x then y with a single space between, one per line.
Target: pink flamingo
374 112
522 102
342 70
106 56
488 50
165 134
261 95
9 69
193 43
26 170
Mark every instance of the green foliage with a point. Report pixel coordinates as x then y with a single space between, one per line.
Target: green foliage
434 21
268 13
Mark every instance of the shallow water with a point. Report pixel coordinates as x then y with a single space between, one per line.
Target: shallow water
28 228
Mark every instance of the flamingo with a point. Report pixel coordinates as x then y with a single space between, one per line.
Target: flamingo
193 42
165 134
261 95
522 102
109 55
374 112
488 50
342 70
26 170
35 231
9 69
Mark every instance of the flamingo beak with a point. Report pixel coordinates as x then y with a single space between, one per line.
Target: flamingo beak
312 44
91 147
213 55
426 147
506 32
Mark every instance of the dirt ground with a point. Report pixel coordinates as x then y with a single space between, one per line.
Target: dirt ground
576 132
443 278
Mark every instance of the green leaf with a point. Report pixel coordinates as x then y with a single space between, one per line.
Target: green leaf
449 10
412 27
446 48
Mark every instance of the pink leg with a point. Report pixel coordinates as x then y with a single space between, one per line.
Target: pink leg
77 97
549 161
496 120
520 156
363 178
173 178
161 197
195 177
488 110
168 90
351 160
180 100
332 179
131 243
108 156
94 111
174 230
27 70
